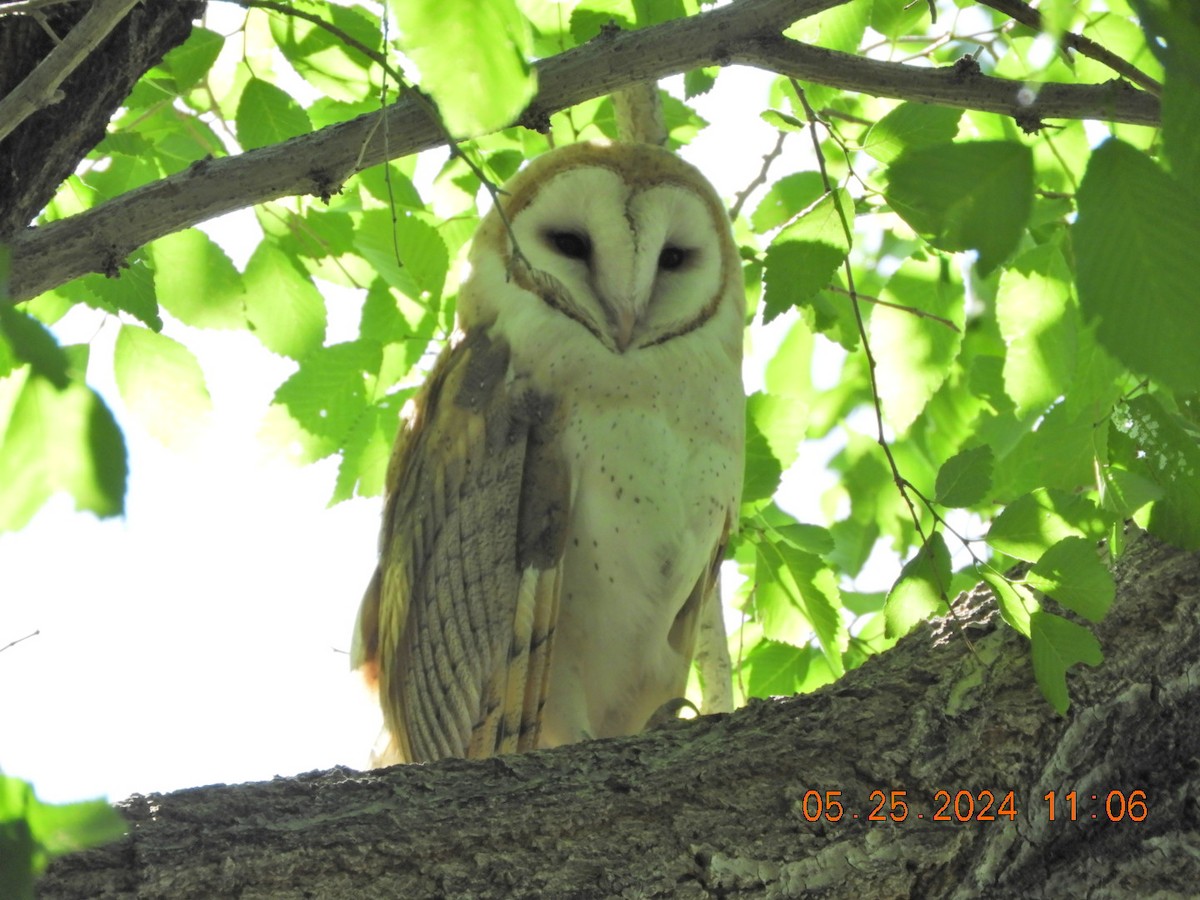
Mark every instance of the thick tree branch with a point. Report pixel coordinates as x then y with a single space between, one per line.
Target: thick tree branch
40 87
721 806
743 32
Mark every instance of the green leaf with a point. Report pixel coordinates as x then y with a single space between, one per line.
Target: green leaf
363 469
908 126
196 282
328 394
1015 602
1032 524
132 291
781 121
965 478
776 669
915 354
191 60
408 253
699 81
32 833
1171 455
283 306
1137 266
162 385
32 342
1073 574
473 57
966 196
1039 323
804 256
1057 644
920 591
57 440
796 597
763 470
267 115
785 198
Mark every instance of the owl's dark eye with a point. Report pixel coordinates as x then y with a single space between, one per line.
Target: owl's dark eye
672 258
571 244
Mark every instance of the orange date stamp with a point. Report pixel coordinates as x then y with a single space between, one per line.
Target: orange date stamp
976 806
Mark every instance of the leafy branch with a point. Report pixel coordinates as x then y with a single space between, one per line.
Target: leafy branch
744 32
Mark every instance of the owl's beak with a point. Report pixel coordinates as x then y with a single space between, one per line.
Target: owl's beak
625 322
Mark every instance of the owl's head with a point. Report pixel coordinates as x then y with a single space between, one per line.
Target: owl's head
627 240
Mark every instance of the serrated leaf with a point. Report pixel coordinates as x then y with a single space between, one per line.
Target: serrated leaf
914 354
1172 456
697 82
1015 602
162 385
191 60
762 470
1137 268
132 291
785 198
196 282
363 468
1032 524
1039 323
1123 492
975 195
776 669
267 115
965 478
283 306
1073 574
908 126
58 440
920 591
328 393
803 257
420 270
797 596
473 57
30 341
1057 644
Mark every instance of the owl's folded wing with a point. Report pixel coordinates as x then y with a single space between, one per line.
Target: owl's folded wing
457 625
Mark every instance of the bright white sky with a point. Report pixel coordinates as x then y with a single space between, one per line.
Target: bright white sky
202 638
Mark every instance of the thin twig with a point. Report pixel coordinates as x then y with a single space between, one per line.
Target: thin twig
18 640
912 310
760 178
1027 15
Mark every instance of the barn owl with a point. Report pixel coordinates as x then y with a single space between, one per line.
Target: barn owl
561 493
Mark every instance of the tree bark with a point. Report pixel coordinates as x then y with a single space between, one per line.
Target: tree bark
720 806
53 115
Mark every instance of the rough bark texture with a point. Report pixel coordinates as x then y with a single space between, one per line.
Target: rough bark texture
48 145
715 807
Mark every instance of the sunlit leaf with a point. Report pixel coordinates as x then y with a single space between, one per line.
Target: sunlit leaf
162 384
58 440
965 478
911 125
473 56
1071 572
1058 644
965 196
283 306
1032 524
797 597
1134 243
920 592
803 257
268 114
1014 599
196 282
